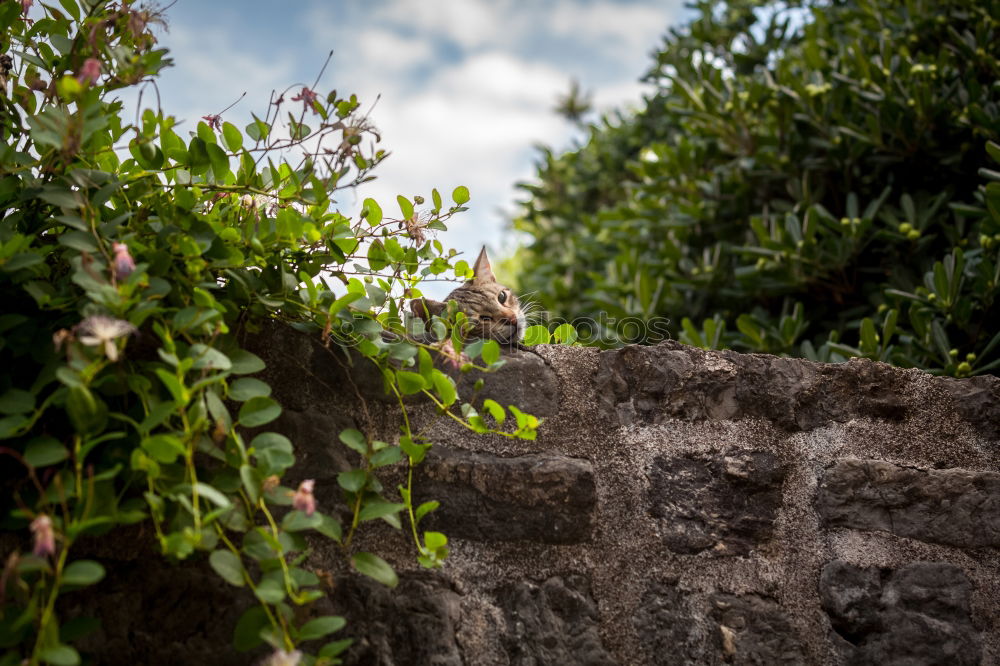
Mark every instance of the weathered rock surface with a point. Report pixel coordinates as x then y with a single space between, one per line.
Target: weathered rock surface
755 630
919 614
542 498
554 622
953 507
679 506
725 504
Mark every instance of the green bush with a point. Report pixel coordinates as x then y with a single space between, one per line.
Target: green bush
809 180
133 259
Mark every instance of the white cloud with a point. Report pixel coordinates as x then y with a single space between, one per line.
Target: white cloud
467 86
213 69
621 30
471 24
390 53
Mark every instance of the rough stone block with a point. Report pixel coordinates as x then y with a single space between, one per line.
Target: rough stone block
669 627
413 624
727 504
919 614
675 381
543 498
953 507
525 381
555 622
755 630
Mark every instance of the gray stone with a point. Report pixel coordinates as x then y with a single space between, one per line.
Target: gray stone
543 498
727 504
525 381
414 624
675 381
978 401
919 614
552 623
161 615
954 507
754 630
668 627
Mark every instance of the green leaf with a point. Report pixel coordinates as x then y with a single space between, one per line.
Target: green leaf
208 358
320 627
232 136
228 565
371 211
60 655
270 591
536 335
426 508
247 634
82 572
245 388
405 207
274 452
495 410
378 509
565 334
16 401
243 362
44 451
334 648
375 567
329 527
435 540
198 158
355 440
387 456
445 387
868 336
173 384
297 521
213 495
258 411
352 480
410 382
164 448
491 352
460 195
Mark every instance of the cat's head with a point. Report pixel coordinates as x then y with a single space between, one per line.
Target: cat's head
492 309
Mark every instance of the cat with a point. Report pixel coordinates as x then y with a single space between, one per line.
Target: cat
492 309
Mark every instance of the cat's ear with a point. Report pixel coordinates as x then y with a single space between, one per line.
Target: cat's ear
425 308
484 274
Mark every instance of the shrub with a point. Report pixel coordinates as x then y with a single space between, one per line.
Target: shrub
806 180
132 257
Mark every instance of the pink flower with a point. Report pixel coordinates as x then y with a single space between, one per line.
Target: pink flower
124 264
26 5
90 71
215 122
303 499
45 537
454 358
307 97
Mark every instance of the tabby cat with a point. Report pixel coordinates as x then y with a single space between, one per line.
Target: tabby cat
492 309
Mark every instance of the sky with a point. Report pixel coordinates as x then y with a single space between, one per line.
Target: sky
467 87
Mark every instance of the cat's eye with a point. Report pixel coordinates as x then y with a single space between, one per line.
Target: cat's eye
502 297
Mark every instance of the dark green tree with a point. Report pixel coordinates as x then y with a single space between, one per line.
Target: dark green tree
808 179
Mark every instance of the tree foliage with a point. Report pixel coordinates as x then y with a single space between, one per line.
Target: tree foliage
813 180
134 258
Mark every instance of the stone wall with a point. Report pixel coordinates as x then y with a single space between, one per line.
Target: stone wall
681 506
678 507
